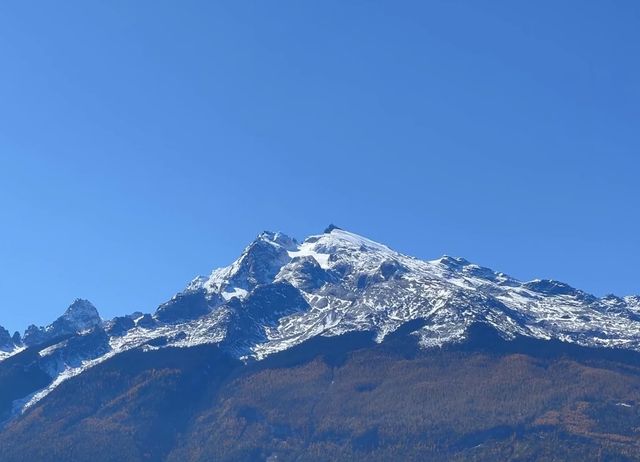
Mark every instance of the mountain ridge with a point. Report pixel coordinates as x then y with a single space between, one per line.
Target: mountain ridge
280 293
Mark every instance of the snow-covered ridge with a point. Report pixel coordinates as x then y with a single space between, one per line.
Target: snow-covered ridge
280 293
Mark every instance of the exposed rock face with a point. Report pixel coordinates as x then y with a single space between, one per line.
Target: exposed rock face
6 341
80 316
280 293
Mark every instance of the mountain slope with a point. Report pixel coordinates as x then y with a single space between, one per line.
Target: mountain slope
344 398
281 293
353 284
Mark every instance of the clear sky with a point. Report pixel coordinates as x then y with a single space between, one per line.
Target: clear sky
143 143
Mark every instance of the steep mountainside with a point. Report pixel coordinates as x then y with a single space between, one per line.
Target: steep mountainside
344 398
334 348
281 293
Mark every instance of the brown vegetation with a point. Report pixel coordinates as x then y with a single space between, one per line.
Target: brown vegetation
375 404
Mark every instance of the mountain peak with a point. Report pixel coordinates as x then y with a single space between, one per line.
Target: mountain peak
276 238
258 264
450 261
6 342
81 315
330 228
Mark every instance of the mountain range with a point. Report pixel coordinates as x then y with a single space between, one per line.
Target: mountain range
338 295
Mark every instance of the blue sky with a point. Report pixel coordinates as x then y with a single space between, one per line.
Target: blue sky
142 143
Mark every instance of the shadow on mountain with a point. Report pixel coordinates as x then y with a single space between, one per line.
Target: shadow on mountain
21 375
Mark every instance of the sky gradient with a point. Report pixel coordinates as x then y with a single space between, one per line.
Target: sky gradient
143 143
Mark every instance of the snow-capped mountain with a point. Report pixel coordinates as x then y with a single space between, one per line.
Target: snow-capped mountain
80 316
343 282
280 293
